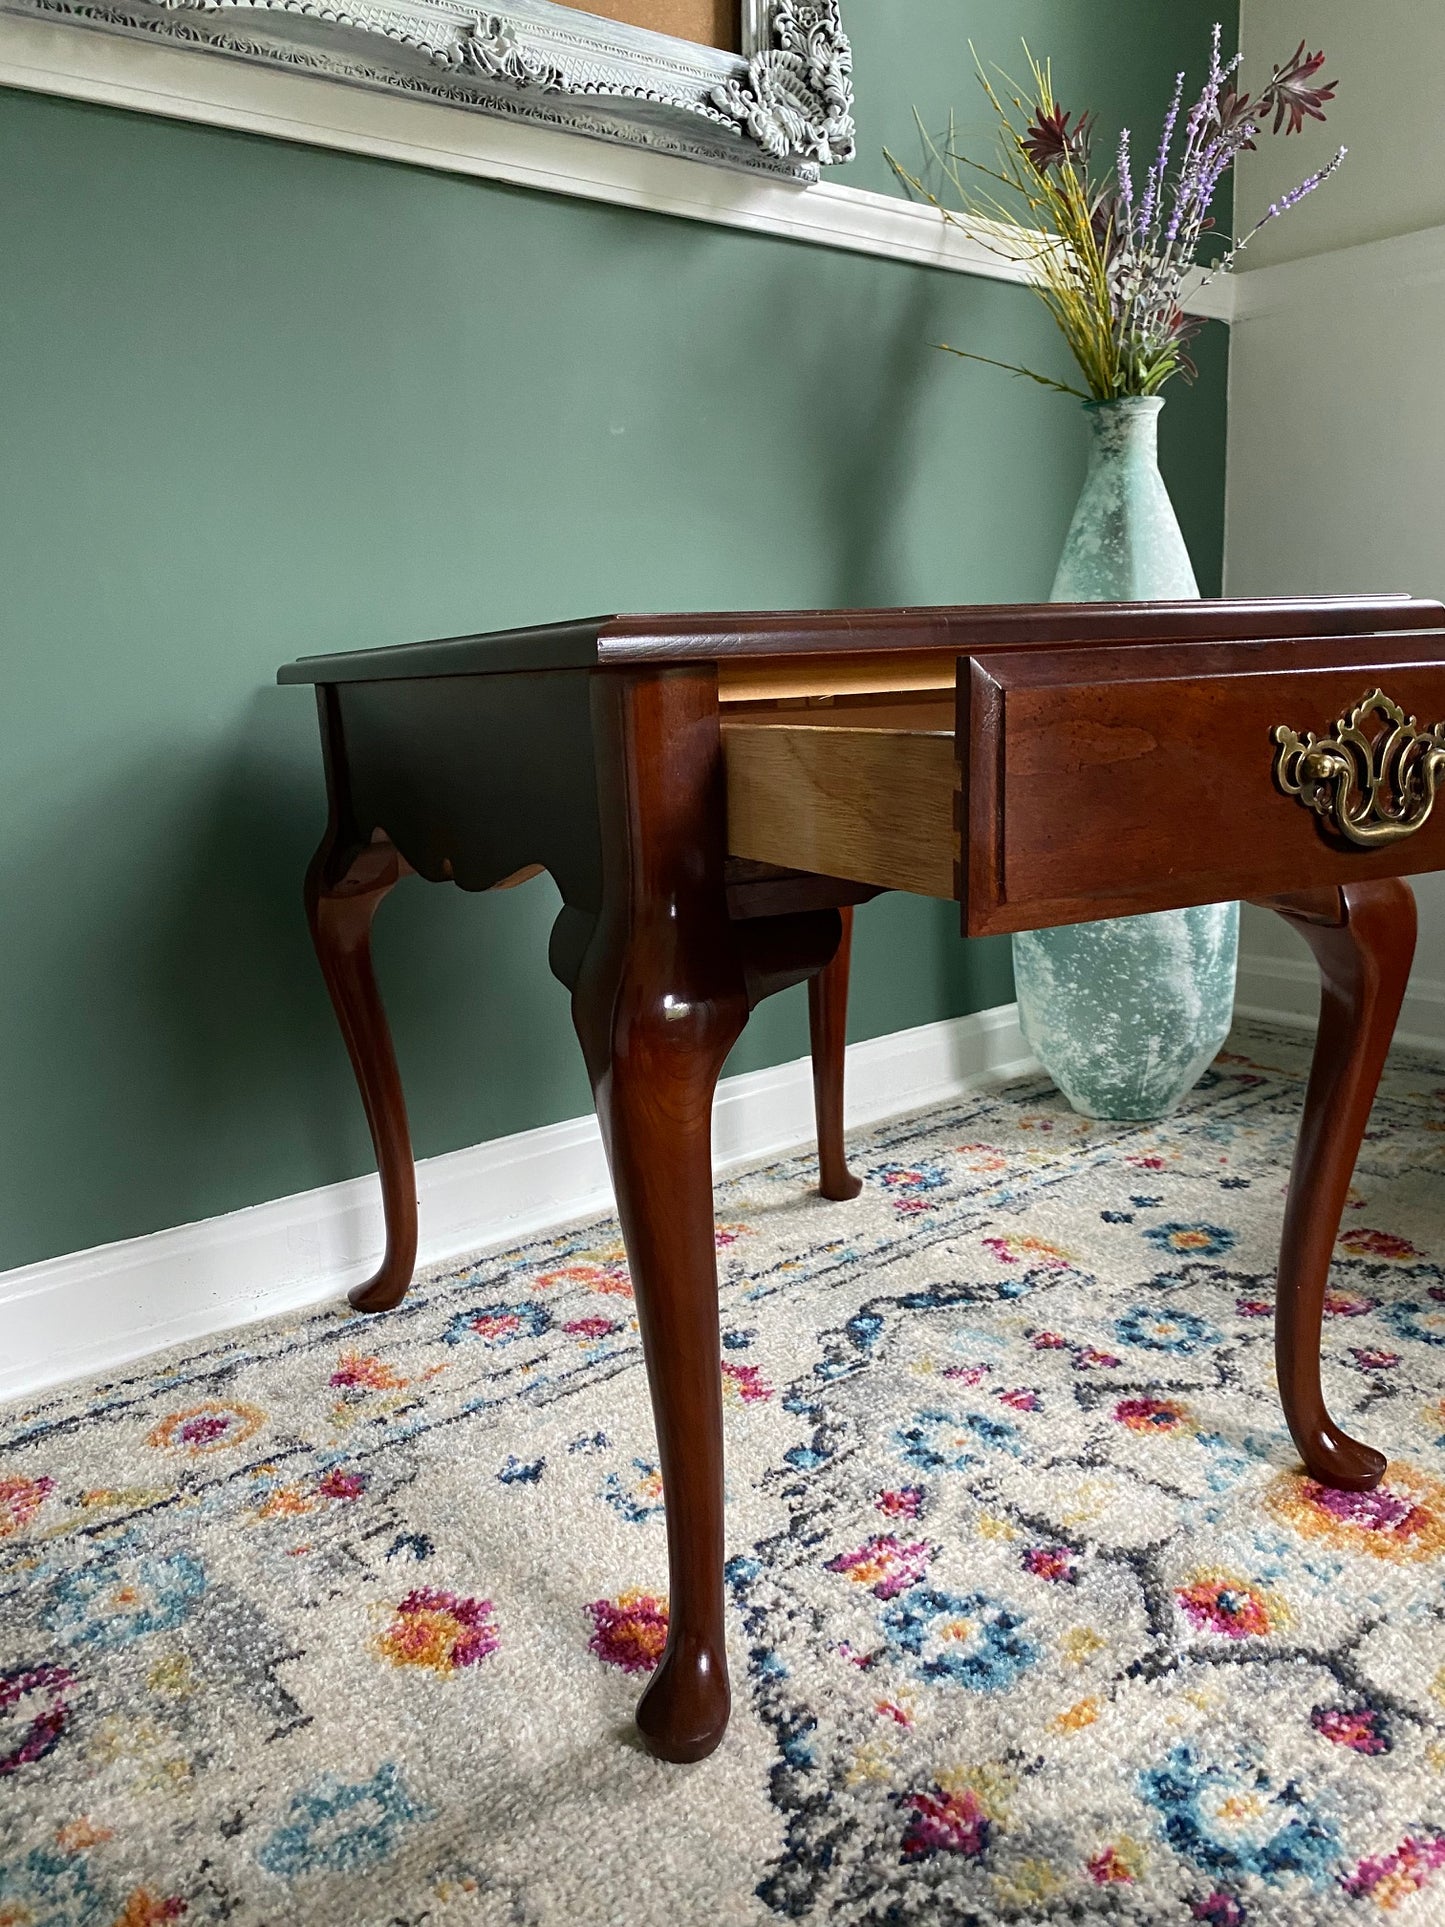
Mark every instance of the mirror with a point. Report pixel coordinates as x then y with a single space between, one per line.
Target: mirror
712 23
759 84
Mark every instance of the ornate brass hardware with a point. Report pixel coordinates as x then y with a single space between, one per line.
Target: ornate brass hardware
1371 785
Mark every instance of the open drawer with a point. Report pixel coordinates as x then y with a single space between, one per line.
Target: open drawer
1058 785
861 789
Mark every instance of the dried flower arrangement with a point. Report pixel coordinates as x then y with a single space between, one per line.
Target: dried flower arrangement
1110 264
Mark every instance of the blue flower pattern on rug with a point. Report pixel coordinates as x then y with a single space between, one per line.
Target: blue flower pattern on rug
1230 1817
334 1827
115 1598
975 1641
1157 1329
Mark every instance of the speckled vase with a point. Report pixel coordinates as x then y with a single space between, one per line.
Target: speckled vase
1127 1015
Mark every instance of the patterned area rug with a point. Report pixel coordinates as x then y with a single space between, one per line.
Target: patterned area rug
1034 1616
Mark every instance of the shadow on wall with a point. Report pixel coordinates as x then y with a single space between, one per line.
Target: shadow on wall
187 993
865 497
238 1012
186 1004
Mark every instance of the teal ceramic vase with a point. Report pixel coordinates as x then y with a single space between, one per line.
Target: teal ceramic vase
1125 1016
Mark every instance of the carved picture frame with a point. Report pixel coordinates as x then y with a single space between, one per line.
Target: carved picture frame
783 104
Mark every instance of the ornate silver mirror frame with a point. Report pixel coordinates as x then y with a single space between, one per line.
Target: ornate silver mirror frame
784 104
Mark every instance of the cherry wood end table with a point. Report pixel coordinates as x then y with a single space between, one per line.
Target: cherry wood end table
713 793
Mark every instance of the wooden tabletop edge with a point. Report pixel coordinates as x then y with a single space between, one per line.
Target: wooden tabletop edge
616 641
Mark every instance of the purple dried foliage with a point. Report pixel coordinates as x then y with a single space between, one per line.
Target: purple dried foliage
1150 247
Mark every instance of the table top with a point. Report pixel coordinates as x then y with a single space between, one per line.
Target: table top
621 640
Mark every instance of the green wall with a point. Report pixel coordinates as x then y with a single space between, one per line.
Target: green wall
1116 56
258 400
1387 61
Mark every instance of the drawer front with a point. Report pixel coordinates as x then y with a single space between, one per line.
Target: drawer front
1098 783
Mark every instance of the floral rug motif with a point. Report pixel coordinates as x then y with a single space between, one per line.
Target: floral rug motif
1034 1616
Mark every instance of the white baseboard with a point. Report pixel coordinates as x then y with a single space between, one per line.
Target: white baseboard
91 1311
1286 990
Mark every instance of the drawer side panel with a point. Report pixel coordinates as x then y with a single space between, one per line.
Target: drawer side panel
871 804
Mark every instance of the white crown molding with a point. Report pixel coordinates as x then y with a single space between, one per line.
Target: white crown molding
89 1312
80 63
1341 275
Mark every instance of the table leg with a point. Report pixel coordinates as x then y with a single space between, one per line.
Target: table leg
654 1101
659 1001
1363 938
827 1028
344 887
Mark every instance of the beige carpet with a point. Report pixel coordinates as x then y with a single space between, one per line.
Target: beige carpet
1034 1618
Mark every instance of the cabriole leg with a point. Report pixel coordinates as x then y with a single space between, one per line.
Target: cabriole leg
654 1101
1363 938
343 889
828 1028
658 1003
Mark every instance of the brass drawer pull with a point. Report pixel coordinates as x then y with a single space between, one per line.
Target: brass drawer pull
1372 786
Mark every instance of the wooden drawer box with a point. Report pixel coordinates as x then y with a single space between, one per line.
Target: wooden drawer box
1056 785
865 790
